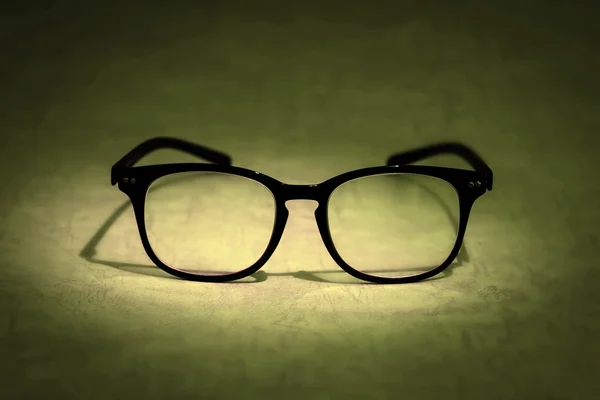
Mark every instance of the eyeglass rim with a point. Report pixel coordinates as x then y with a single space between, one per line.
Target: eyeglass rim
335 242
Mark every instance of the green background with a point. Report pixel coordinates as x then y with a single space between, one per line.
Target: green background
300 91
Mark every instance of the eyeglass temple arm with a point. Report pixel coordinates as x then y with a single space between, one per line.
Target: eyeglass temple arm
458 149
158 143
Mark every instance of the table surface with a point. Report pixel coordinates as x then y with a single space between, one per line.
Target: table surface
301 93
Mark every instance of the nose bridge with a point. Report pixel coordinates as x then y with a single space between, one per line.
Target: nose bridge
300 192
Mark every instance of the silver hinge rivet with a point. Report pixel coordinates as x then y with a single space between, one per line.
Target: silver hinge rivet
125 180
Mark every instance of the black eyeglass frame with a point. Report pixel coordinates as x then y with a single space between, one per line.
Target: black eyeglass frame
135 182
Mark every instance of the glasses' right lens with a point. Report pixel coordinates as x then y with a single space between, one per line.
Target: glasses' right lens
394 225
209 223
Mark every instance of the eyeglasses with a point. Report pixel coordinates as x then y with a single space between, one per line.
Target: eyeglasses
214 222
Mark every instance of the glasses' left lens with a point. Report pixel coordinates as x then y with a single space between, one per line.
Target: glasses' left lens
208 223
394 225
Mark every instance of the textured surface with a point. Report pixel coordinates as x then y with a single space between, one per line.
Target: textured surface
302 94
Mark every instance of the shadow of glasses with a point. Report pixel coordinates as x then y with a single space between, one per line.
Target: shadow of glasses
88 252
